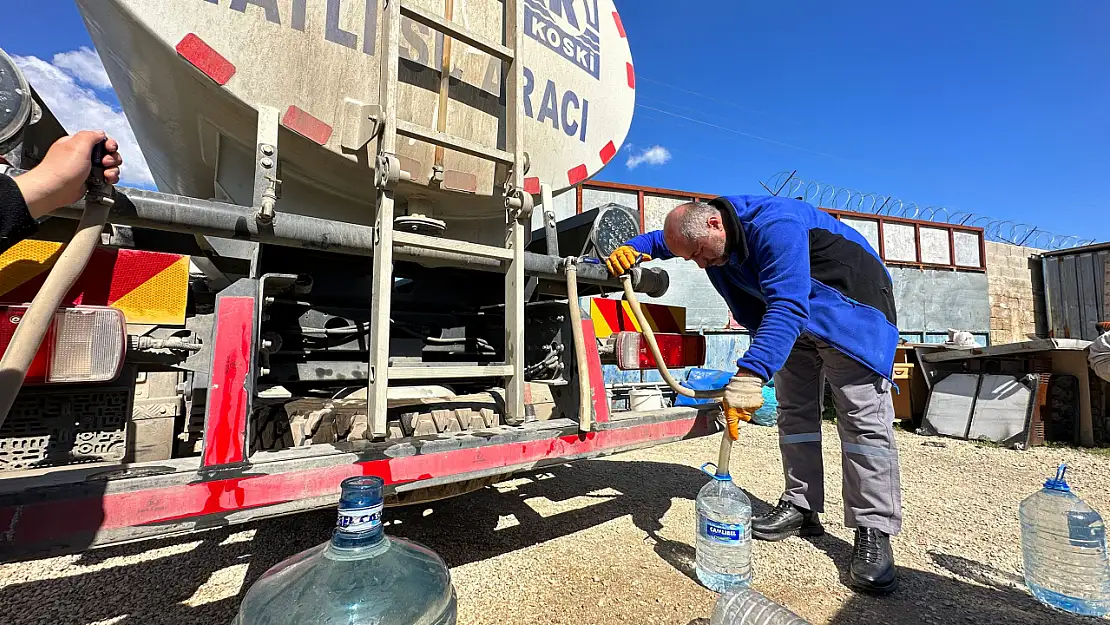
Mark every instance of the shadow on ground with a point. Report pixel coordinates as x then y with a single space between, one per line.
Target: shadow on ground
161 588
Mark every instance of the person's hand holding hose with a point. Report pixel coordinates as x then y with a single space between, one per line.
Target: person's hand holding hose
624 258
60 178
743 396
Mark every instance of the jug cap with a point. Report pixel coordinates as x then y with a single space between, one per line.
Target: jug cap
1058 483
714 474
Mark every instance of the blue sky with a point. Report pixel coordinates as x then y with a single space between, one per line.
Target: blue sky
998 108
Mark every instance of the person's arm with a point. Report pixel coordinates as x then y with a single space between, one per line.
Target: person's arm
652 244
16 222
59 180
780 250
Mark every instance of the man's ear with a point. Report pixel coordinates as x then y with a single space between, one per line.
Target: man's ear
715 223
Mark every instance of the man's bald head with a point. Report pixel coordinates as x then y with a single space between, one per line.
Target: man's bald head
695 231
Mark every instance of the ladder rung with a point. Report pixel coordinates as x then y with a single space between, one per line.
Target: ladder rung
451 245
437 23
451 142
437 372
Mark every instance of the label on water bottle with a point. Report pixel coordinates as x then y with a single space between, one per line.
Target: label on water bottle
722 532
1085 529
359 520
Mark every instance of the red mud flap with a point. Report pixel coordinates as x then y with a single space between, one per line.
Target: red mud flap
83 508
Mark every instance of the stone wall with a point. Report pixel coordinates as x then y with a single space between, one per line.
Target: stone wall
1015 286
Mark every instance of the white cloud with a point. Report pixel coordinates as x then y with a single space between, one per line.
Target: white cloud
655 155
84 65
80 108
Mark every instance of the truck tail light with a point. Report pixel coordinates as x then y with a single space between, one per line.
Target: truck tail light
678 350
83 344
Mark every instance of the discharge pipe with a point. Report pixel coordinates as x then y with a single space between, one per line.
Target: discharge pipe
725 452
585 407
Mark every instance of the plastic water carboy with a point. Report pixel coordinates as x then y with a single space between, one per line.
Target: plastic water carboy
1063 542
724 540
360 577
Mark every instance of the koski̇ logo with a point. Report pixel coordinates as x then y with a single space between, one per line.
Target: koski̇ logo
569 27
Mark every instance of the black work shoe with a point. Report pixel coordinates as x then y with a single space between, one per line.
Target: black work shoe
786 520
873 562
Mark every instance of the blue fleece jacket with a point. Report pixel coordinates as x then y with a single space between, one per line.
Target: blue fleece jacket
796 269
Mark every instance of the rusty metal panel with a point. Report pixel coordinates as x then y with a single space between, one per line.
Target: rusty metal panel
1101 282
869 228
656 208
899 242
967 248
1054 301
934 246
1088 286
1069 293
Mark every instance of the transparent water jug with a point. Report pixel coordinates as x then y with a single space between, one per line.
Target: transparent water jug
1063 543
744 606
360 577
724 541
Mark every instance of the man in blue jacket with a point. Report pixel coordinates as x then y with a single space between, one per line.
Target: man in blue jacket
820 306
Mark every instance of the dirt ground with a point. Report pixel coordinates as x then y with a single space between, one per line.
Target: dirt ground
611 541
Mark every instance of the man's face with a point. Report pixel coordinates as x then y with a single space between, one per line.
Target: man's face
710 250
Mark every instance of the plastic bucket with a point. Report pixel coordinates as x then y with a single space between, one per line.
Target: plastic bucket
645 399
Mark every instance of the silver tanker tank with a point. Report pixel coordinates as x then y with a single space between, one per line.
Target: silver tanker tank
191 74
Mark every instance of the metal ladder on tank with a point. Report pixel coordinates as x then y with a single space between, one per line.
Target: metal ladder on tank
510 164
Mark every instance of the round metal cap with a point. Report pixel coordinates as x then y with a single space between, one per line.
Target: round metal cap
15 98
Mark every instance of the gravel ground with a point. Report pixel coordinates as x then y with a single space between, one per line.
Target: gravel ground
611 541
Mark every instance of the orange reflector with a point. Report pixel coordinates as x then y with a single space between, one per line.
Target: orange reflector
678 351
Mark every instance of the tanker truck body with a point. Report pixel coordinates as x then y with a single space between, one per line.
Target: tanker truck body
336 275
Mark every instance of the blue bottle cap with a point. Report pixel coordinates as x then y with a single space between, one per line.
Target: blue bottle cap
1058 483
713 474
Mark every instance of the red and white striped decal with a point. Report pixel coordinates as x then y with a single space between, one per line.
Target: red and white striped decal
605 155
211 63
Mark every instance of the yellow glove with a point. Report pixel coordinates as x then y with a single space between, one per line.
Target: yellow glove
623 259
743 396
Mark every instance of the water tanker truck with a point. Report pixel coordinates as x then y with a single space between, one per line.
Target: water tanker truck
337 274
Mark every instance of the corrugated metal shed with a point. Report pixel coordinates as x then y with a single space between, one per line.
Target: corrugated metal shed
1076 284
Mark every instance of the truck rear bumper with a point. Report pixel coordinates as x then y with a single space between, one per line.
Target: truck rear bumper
96 506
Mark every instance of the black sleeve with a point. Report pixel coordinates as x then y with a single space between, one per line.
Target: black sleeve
16 222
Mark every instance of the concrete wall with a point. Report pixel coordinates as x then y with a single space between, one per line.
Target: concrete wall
1015 286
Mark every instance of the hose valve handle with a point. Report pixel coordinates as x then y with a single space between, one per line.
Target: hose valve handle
98 188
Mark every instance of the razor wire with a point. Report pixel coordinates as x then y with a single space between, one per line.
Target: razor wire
852 200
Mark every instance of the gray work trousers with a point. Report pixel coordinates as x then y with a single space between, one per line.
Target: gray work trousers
865 418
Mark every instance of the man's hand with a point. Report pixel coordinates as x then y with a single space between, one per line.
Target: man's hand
743 396
623 259
60 178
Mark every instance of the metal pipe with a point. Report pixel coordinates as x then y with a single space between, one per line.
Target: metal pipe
585 410
176 213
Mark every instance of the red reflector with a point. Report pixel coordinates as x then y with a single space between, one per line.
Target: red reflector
678 351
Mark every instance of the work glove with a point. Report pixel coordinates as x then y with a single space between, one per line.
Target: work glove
623 259
743 396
